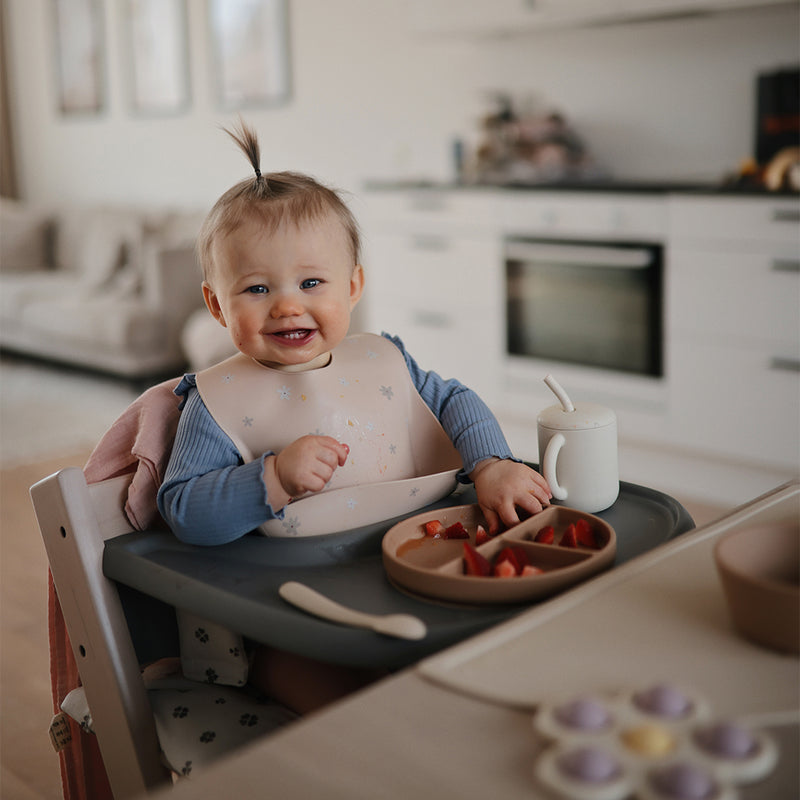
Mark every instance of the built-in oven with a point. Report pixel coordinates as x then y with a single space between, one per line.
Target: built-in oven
590 312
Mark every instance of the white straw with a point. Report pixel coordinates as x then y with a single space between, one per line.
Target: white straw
562 396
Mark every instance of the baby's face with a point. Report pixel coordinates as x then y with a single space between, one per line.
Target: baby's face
285 297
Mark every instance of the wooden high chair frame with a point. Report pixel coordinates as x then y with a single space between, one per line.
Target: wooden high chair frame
75 520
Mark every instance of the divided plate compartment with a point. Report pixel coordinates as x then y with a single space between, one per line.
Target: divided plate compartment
434 568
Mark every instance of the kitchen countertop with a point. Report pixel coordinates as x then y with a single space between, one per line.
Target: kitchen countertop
605 185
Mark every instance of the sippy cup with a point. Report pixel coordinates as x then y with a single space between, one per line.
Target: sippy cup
578 452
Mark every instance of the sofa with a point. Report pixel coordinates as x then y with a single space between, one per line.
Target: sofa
102 287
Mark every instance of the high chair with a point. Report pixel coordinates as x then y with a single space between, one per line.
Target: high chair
75 520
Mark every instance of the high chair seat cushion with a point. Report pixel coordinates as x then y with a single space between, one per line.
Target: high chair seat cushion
196 723
211 653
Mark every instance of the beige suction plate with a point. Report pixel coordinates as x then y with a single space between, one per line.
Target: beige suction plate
434 567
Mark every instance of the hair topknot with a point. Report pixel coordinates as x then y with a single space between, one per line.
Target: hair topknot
246 138
270 198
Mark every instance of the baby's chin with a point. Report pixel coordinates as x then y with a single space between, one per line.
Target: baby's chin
321 360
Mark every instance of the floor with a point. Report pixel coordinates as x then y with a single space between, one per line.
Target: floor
28 765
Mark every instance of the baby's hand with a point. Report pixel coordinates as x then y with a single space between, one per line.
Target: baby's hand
503 486
308 463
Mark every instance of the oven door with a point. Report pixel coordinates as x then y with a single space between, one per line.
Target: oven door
586 304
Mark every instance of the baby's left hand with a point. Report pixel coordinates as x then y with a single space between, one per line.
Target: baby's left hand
503 486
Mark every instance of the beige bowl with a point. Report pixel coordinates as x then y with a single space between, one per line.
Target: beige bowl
760 572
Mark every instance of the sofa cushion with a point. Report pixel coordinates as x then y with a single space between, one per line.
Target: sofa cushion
25 237
17 290
95 243
114 325
204 341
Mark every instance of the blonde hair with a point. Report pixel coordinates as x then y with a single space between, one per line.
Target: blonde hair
270 198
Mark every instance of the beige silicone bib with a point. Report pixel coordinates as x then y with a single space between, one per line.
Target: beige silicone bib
400 457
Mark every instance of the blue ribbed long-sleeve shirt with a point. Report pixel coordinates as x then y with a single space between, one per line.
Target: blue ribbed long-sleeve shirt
209 496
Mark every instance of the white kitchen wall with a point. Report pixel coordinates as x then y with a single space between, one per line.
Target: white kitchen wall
373 99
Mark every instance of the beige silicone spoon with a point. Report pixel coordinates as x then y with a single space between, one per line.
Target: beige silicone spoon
403 626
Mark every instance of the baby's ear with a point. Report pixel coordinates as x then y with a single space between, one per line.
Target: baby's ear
212 303
356 284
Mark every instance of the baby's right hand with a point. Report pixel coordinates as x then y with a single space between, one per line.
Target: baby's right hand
308 463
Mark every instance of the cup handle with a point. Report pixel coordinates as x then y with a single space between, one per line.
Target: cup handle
551 452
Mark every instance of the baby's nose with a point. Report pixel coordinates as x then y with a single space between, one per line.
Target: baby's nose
286 304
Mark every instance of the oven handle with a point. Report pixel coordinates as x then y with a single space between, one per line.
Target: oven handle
579 255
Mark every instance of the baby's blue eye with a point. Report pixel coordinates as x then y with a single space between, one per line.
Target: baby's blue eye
259 289
310 283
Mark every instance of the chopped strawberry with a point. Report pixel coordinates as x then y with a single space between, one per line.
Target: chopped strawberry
455 531
474 562
434 528
505 569
522 557
481 536
506 555
529 569
586 534
569 537
545 535
515 555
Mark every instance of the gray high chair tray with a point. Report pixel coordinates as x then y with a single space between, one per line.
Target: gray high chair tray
236 584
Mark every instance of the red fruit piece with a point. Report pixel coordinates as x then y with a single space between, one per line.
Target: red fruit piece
474 562
529 569
546 535
522 557
434 528
515 555
481 536
455 531
585 534
569 537
505 569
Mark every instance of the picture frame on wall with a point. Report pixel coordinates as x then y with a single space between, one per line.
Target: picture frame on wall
250 49
80 55
157 50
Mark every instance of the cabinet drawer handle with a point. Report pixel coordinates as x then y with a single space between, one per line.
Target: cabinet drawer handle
431 243
786 215
785 364
431 319
785 265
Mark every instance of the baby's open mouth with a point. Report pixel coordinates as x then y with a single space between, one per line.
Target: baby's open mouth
296 334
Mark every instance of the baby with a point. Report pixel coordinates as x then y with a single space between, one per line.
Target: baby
280 257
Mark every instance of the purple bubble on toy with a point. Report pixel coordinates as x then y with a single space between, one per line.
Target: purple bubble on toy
664 701
683 781
727 740
590 765
584 714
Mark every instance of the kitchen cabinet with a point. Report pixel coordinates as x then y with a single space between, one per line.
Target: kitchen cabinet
432 278
504 17
733 319
726 412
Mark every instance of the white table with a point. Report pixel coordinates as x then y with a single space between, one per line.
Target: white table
459 724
